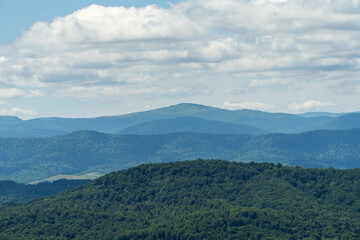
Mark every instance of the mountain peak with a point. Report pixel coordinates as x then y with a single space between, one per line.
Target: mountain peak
182 109
193 106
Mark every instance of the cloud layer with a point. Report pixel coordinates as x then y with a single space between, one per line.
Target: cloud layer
209 51
308 105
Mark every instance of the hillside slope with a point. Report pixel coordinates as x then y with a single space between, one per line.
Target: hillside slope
15 192
348 121
197 200
190 124
25 160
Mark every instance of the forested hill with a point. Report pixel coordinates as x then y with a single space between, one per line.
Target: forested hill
190 124
25 160
197 200
11 192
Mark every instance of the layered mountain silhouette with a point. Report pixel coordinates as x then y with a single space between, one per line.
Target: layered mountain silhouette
179 118
190 124
78 153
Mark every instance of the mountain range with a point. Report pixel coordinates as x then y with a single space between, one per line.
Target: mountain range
161 195
183 117
85 152
38 149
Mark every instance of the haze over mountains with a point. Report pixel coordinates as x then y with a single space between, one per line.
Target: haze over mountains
30 159
30 151
190 124
178 118
187 199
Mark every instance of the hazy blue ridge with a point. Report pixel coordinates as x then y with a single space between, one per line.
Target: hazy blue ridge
250 121
347 121
190 124
29 133
321 114
30 159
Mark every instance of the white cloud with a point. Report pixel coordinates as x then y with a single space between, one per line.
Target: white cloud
18 93
11 92
248 105
308 105
268 82
220 49
16 111
35 93
225 36
98 24
257 45
123 91
348 87
3 59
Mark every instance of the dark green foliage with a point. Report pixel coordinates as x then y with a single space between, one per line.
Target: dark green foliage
14 192
25 160
197 200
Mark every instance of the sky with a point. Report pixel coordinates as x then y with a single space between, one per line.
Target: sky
93 58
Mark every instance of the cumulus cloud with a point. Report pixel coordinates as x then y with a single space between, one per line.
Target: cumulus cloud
348 87
248 105
277 45
35 93
17 93
308 105
98 24
99 91
11 92
268 82
16 111
2 59
225 35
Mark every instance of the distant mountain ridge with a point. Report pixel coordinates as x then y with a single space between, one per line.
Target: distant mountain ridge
321 114
348 121
189 124
78 153
249 120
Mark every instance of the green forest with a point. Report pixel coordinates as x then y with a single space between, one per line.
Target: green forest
12 192
30 159
201 199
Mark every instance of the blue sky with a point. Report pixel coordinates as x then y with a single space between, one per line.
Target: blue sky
90 58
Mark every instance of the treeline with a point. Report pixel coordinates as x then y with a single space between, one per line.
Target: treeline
203 199
25 160
12 193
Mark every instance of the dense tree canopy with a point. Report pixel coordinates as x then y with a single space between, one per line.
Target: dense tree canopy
25 160
203 199
19 192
